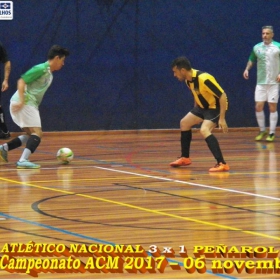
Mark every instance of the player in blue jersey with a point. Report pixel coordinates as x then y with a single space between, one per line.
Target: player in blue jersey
267 56
24 106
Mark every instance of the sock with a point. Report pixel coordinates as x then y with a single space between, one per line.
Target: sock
31 146
16 142
214 147
3 126
25 155
186 138
273 119
261 120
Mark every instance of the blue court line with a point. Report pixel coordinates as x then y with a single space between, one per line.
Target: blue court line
93 239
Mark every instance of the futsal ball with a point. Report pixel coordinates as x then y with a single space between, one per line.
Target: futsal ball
64 155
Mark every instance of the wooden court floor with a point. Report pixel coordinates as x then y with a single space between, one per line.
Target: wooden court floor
120 190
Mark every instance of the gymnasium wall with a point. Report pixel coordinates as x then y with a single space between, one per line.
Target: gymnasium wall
118 75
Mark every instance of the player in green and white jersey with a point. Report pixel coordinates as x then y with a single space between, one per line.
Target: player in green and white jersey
267 56
24 106
37 81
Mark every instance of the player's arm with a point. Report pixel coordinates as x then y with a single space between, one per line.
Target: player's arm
248 67
21 89
217 91
7 71
278 77
250 63
223 107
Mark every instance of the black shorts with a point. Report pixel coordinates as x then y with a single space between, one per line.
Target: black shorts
207 114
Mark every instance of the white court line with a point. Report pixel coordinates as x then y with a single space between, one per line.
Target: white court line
164 179
187 183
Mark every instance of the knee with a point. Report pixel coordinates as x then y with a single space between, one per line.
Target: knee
258 107
184 125
33 142
205 132
272 108
39 134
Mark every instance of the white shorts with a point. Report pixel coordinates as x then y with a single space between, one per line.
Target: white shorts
269 93
28 116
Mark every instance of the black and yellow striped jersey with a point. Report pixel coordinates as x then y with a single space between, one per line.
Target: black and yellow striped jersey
205 89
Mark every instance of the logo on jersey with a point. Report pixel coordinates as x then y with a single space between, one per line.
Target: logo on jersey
6 10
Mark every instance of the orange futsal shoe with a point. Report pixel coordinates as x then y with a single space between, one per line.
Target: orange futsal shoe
219 167
182 161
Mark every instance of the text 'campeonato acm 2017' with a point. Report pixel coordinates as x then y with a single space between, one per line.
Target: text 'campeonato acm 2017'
32 258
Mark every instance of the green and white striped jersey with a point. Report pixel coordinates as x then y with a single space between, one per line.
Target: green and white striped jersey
268 62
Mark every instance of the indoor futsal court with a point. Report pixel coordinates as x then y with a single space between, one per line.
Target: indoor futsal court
118 210
119 189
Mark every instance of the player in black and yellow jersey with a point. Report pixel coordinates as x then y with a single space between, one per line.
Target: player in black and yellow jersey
209 109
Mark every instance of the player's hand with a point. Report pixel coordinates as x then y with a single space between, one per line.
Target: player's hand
16 106
5 85
278 78
223 125
246 74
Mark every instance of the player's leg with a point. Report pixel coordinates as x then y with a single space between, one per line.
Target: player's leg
29 119
211 118
35 135
273 96
4 132
11 145
260 99
191 119
18 118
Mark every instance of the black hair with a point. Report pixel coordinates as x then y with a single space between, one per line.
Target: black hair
57 50
181 62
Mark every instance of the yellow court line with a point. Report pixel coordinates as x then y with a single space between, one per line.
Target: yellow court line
220 206
148 210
